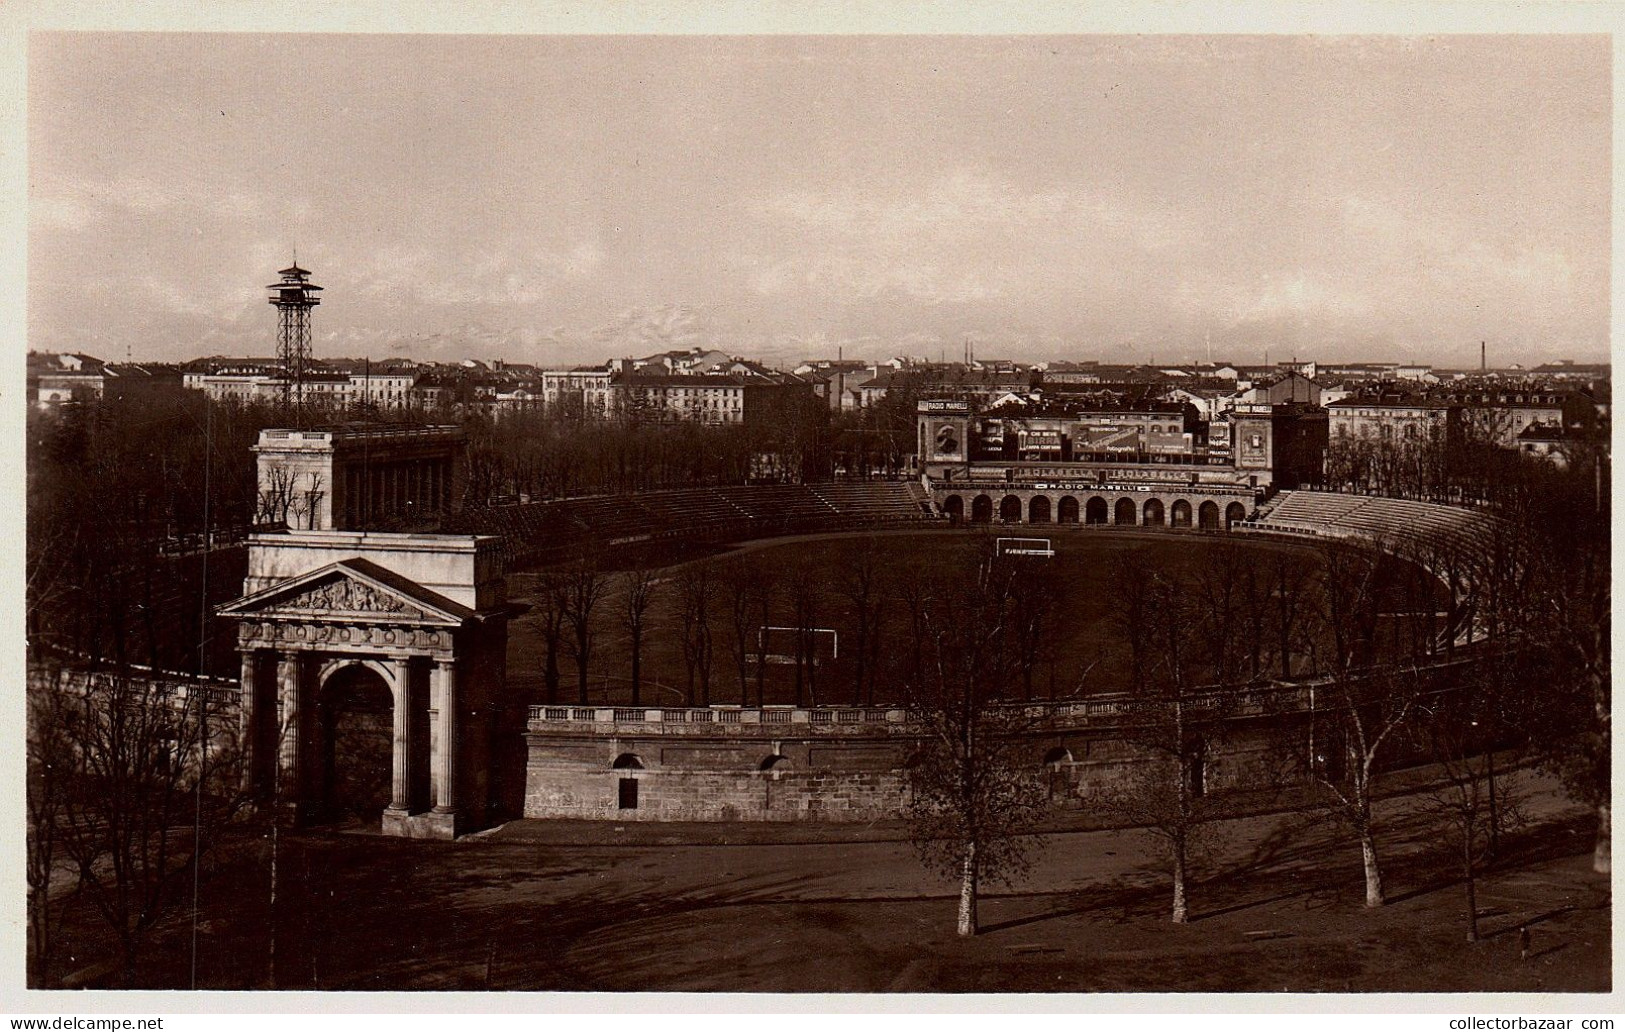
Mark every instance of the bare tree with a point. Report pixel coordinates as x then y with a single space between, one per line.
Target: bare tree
1166 721
1289 585
142 791
971 801
914 591
549 600
806 592
582 589
1035 590
743 584
1131 574
276 495
1463 804
858 584
696 588
1357 707
637 595
49 760
765 592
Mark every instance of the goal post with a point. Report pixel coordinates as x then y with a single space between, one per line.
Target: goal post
1024 546
779 646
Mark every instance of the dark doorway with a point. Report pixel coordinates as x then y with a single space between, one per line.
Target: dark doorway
981 509
357 755
629 794
1153 513
1125 512
1180 514
1038 509
954 506
1010 509
1069 510
1094 514
1210 516
1234 513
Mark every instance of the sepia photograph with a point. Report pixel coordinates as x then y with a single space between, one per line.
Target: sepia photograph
799 513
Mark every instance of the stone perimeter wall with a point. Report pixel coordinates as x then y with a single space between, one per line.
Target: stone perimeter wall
574 769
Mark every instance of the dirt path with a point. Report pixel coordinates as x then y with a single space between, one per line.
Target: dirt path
1277 906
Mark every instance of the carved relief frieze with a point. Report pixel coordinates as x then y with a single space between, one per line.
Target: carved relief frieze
347 596
329 635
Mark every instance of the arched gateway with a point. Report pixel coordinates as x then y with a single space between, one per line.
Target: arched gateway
373 669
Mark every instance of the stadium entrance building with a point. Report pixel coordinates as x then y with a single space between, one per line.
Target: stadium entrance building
1152 464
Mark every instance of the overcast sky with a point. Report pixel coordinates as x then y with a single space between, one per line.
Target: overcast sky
564 199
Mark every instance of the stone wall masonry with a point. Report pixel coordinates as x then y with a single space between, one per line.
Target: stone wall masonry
714 795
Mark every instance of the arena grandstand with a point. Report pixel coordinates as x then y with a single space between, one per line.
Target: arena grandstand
1397 524
542 532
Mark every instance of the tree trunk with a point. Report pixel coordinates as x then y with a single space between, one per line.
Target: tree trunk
967 892
1373 874
1472 885
1602 857
637 665
1181 913
1495 813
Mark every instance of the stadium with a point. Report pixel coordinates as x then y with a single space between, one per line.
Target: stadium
770 673
786 726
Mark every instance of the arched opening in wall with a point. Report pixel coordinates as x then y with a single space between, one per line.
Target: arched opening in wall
356 743
1234 513
1094 514
1010 509
981 509
1068 510
954 506
1057 756
1180 514
774 762
1209 514
626 788
1038 509
1124 514
1153 513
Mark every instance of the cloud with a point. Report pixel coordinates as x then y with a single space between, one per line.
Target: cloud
506 273
961 238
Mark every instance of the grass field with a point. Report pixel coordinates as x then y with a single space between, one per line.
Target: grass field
1086 653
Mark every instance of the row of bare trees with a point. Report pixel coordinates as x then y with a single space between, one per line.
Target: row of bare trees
1480 653
130 785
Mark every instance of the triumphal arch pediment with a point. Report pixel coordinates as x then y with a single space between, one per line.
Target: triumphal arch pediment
374 674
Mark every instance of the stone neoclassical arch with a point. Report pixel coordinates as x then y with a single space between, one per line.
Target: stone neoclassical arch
327 669
298 633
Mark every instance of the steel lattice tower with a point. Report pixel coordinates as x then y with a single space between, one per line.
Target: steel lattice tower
294 297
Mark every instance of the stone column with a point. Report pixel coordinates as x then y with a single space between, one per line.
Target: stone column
445 703
400 796
290 727
248 723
